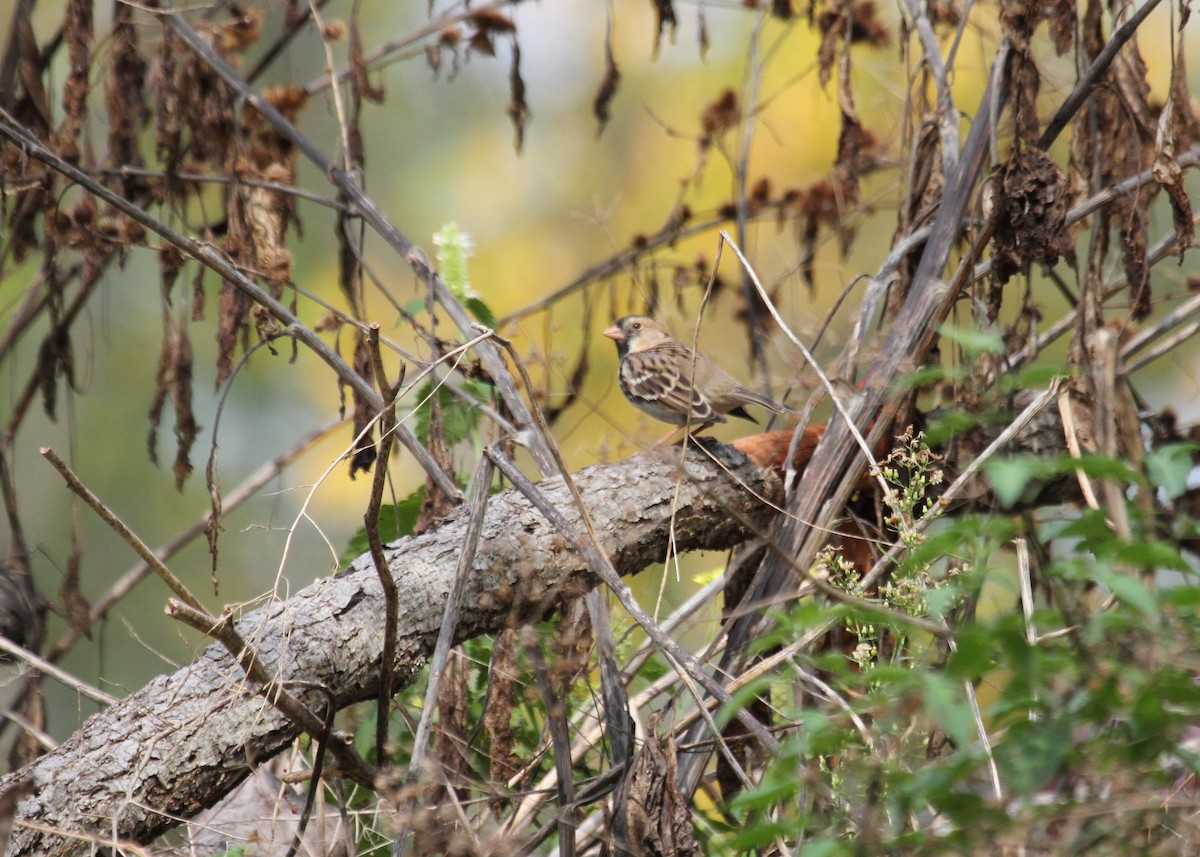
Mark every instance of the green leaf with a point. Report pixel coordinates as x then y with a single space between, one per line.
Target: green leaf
1032 753
1010 476
482 312
973 656
772 790
758 835
1187 597
395 520
459 418
744 696
824 848
948 424
1151 554
942 599
1035 375
923 377
974 341
1091 528
1170 466
1100 467
945 705
364 736
1128 590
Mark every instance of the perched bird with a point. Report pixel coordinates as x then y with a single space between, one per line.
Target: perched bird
669 381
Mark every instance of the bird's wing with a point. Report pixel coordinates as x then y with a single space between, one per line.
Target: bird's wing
662 375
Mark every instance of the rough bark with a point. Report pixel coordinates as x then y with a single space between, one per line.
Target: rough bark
183 741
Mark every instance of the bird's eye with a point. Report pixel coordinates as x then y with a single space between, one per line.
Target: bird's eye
637 325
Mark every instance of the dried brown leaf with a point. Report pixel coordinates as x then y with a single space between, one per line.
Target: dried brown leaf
30 105
449 745
22 232
492 21
288 99
22 609
233 308
330 322
433 57
364 453
608 86
572 643
481 42
719 115
55 358
168 120
266 326
75 607
1019 18
186 427
518 108
238 32
497 714
1029 208
664 18
652 815
1177 129
1135 256
124 96
1024 81
1061 15
77 33
198 300
854 20
943 13
173 378
857 154
267 213
360 83
1116 141
170 265
202 101
435 505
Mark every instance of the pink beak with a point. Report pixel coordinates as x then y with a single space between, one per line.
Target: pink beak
615 333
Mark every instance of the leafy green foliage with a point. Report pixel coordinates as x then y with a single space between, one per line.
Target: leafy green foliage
972 340
1086 703
1169 467
395 520
459 417
482 312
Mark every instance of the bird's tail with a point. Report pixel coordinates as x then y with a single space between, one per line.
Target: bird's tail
766 401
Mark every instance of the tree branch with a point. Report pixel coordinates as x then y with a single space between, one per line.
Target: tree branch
187 738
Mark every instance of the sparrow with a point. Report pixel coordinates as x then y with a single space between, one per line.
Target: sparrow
669 381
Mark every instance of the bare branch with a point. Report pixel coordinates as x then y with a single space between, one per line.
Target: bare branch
182 730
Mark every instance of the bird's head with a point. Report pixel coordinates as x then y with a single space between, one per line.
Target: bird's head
636 333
